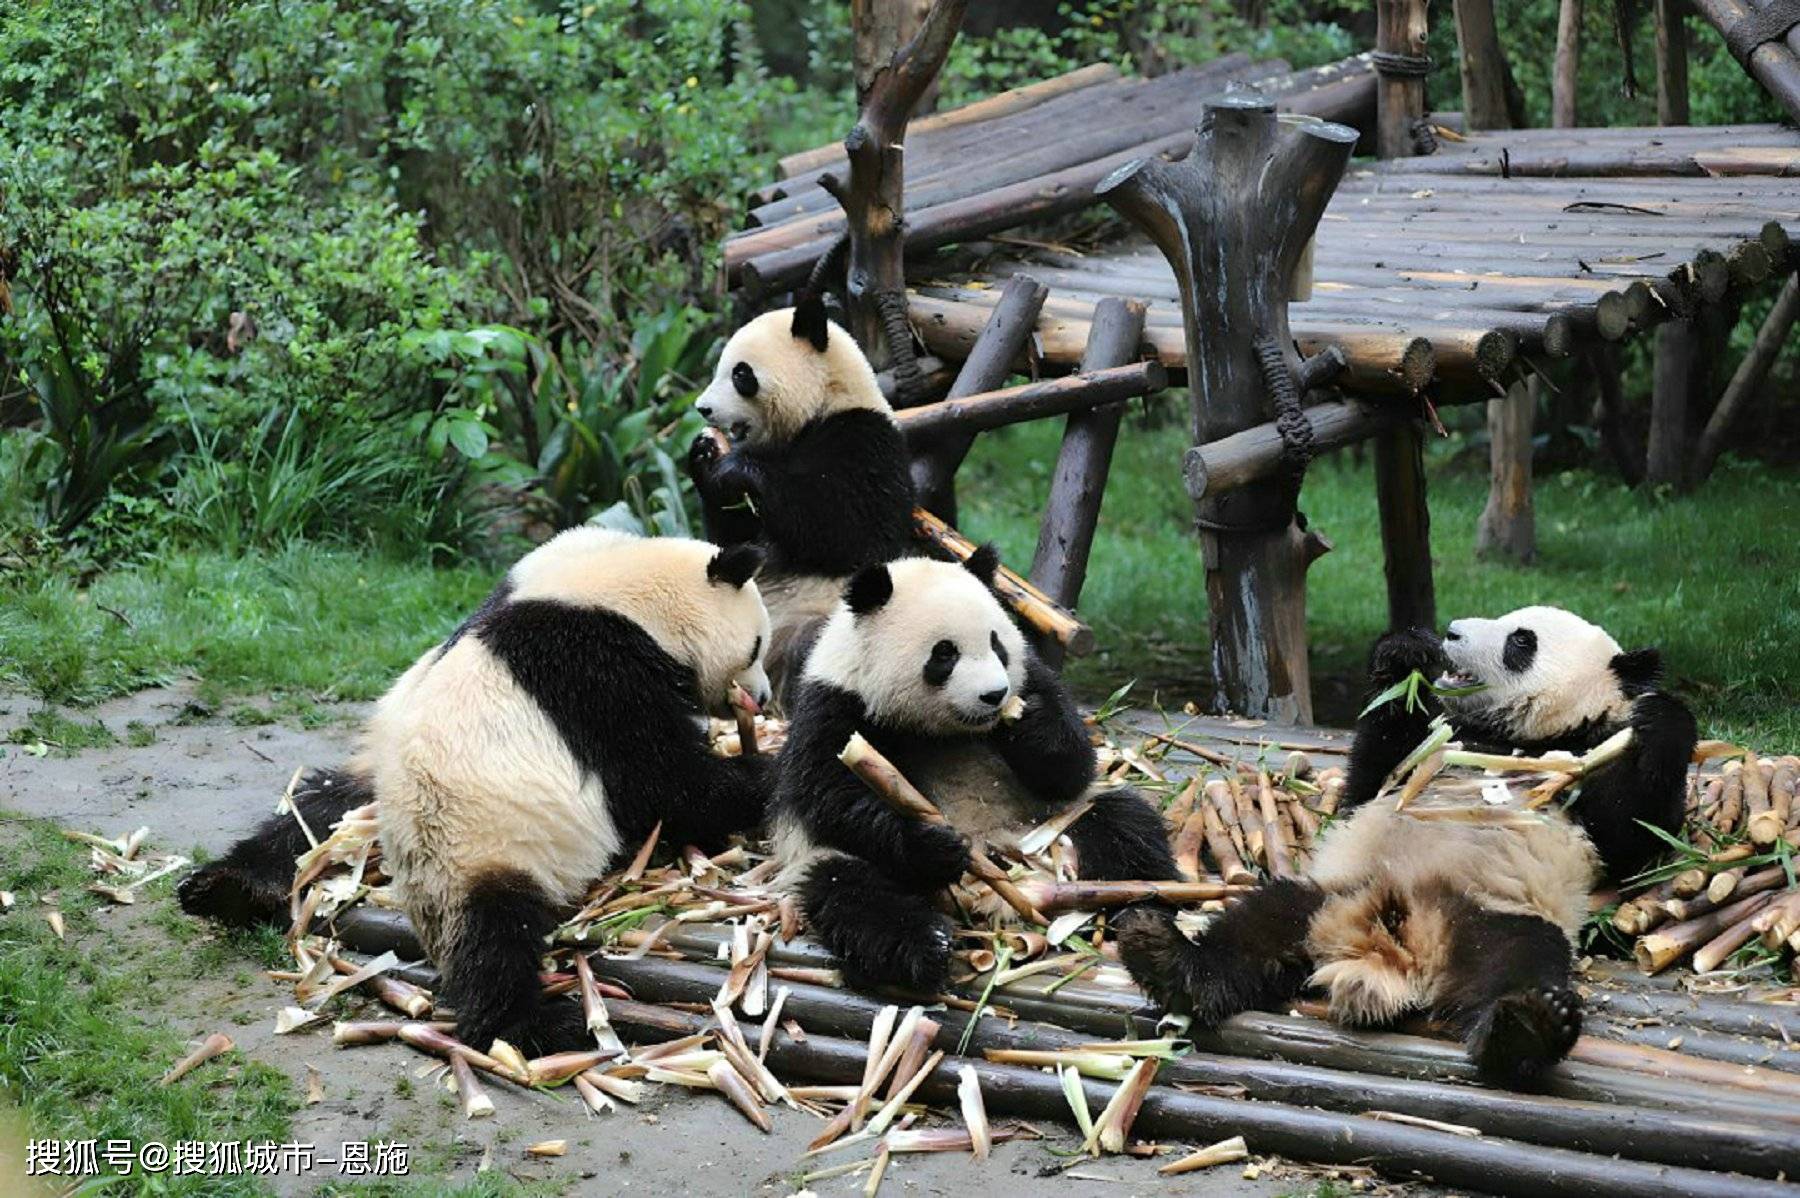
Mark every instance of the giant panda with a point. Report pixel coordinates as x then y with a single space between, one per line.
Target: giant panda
816 473
921 659
1468 922
555 728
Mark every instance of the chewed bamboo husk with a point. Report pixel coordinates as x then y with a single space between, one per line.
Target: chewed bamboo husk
1223 1153
214 1045
1086 896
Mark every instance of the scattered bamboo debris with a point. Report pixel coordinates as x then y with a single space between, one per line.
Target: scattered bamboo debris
214 1045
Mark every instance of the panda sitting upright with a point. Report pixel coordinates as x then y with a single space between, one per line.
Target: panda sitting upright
921 659
550 732
817 471
1470 922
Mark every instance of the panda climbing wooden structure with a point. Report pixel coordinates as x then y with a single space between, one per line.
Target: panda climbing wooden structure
554 729
817 469
1469 920
921 659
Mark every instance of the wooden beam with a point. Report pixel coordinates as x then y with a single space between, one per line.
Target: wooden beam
1078 485
1031 401
1233 219
1222 466
1671 62
1748 379
1400 34
990 360
1405 525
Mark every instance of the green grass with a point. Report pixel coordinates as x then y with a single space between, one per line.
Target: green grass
77 1053
331 623
1713 578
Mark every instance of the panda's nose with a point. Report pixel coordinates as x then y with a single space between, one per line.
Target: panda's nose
705 410
994 698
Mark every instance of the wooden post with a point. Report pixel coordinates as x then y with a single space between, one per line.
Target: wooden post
990 360
1567 67
874 199
1671 62
1749 378
1233 218
1609 412
1508 525
1485 74
1405 526
1079 484
1400 33
1672 386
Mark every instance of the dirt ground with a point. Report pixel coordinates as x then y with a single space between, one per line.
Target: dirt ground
205 781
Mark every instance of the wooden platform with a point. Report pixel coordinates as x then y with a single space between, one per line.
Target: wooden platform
1480 269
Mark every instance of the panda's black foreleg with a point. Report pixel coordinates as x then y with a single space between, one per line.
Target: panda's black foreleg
491 970
1122 837
722 480
1387 733
1507 993
880 932
249 885
1253 954
1646 786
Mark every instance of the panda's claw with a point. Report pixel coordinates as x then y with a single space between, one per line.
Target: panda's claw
1524 1034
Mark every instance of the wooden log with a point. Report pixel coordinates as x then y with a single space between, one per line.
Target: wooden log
1393 1149
1078 484
1030 401
989 362
1772 64
1400 34
1671 62
1609 413
1038 610
1405 525
1567 65
1508 526
874 200
1233 218
1748 379
1256 453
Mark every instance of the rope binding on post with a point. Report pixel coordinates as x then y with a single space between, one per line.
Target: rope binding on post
1290 419
1392 65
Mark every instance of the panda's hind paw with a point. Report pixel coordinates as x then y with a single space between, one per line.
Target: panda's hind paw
1154 951
1524 1034
231 895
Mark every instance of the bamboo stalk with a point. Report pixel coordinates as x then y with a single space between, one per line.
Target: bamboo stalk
1031 605
214 1045
1187 845
1280 847
1084 895
1218 842
1661 949
1225 1152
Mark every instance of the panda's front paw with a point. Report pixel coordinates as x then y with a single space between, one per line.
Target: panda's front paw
1152 948
703 455
1398 654
1524 1034
936 856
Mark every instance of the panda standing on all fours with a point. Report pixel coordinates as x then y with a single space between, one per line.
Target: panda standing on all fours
552 730
1472 923
921 659
816 474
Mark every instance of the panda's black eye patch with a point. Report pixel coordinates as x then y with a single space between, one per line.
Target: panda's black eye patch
999 649
944 656
743 377
1521 649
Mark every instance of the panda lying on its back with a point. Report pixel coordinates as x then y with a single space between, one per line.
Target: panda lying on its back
921 659
817 472
557 726
1470 922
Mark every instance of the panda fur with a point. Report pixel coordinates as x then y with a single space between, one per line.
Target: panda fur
817 471
920 658
1473 924
556 727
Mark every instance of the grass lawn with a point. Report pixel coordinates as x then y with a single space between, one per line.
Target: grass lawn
1712 578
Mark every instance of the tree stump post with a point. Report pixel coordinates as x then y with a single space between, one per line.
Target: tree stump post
1405 525
1233 219
1567 68
1508 525
1401 63
874 198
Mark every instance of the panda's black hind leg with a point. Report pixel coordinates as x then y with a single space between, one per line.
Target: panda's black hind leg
880 933
491 971
1508 993
1122 838
1253 954
249 885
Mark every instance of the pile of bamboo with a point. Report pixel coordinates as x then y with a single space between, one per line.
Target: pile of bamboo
693 971
1731 894
1030 154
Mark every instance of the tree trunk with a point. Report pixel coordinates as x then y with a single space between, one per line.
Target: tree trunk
878 29
1233 218
1568 65
1508 526
1405 526
1671 399
1400 30
874 200
1485 74
1671 62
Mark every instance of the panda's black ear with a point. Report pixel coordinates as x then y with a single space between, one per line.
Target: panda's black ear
983 563
869 588
1638 670
810 321
735 564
